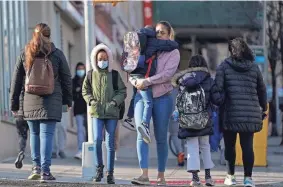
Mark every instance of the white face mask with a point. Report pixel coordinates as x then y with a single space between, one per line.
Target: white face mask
102 64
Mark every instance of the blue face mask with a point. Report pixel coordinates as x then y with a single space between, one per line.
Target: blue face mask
102 64
80 73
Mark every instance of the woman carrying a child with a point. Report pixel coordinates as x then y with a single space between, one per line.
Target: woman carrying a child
154 99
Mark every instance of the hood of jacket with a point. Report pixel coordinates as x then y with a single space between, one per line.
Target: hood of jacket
198 73
240 66
94 53
148 32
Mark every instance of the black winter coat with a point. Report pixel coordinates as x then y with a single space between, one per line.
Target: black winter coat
245 95
79 102
191 78
43 107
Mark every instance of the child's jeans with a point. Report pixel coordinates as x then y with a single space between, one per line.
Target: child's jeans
147 100
131 107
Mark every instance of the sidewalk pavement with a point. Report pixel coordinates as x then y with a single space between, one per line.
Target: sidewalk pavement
68 171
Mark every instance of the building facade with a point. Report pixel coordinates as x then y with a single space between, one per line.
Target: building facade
65 18
13 36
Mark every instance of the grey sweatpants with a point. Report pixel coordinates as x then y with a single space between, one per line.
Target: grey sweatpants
60 135
173 130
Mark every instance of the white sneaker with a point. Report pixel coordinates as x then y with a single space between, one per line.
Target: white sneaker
248 182
144 130
196 184
209 182
78 155
129 124
230 180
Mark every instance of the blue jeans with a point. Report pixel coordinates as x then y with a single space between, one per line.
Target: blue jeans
80 120
148 105
132 103
162 109
110 128
41 141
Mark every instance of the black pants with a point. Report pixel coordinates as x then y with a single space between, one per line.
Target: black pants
22 129
85 125
246 141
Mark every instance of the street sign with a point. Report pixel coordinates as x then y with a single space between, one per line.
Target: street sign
113 2
258 52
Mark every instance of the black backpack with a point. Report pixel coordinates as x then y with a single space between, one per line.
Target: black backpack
115 76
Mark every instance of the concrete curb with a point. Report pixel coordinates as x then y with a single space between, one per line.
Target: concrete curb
23 183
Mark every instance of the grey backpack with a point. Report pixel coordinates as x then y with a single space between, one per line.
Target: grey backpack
193 113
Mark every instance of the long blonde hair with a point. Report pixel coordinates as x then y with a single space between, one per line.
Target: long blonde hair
40 42
170 29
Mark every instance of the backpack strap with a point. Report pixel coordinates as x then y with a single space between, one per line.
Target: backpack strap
115 79
149 62
89 75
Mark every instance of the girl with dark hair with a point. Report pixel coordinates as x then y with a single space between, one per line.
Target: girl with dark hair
104 98
197 75
80 109
244 107
41 111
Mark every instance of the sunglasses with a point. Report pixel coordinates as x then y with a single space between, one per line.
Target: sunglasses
161 32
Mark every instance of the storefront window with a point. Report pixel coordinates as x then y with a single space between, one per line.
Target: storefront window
13 37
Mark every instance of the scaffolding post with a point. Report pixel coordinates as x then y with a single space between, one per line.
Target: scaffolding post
88 163
90 41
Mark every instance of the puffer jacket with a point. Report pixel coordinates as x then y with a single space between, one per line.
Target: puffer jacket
153 44
150 45
99 92
191 78
47 107
79 102
245 95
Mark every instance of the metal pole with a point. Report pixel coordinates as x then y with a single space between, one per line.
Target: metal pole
90 41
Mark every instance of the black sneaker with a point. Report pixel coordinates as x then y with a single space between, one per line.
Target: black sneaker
62 154
129 124
144 130
99 174
35 173
110 178
19 160
47 177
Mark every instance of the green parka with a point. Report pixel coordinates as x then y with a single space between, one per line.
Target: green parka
99 91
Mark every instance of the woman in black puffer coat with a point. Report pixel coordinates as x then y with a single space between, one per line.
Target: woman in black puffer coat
245 103
198 140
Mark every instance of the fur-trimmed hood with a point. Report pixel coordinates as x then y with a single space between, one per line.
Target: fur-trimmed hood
177 76
93 55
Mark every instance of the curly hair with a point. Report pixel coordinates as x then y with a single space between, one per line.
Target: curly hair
240 50
197 61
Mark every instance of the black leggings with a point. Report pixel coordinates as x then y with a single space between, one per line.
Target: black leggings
246 141
22 129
